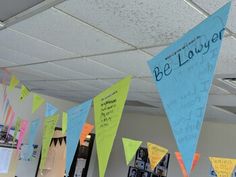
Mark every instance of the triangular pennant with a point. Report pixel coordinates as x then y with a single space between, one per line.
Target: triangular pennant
108 108
12 118
87 128
50 110
24 124
64 122
183 74
130 148
9 113
17 128
24 92
181 163
48 131
13 83
37 102
5 107
222 166
76 120
34 125
155 154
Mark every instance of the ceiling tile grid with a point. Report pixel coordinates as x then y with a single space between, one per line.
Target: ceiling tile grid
68 33
212 5
31 46
139 22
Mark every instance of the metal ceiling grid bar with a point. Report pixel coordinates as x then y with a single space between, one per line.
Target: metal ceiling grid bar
206 14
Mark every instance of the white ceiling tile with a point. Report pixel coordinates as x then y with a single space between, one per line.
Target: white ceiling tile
4 62
212 5
138 85
16 57
156 50
140 22
62 30
31 46
58 70
91 68
227 58
30 73
132 62
215 90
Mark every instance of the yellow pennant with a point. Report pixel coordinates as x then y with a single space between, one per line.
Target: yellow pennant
13 83
24 92
223 167
155 154
64 122
108 108
37 102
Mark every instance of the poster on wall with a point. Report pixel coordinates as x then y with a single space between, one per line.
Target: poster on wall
8 139
5 155
142 167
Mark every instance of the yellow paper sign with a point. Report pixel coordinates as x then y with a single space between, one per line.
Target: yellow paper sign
155 154
108 108
37 102
48 131
223 167
64 122
13 83
24 92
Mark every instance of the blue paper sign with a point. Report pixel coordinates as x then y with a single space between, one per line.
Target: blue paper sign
34 125
183 74
76 119
50 110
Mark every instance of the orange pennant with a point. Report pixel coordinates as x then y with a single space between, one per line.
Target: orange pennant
181 163
87 128
9 112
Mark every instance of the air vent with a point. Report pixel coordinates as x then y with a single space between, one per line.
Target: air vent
138 104
231 109
230 81
13 11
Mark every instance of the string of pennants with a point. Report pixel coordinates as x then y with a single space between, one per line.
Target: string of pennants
189 62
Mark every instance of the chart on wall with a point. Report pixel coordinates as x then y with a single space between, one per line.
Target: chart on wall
142 167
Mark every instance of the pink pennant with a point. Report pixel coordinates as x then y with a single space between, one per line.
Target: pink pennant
24 125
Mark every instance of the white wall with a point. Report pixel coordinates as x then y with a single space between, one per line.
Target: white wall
23 110
217 139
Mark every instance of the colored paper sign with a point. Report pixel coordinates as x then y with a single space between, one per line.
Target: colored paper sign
181 163
64 122
24 124
130 148
37 102
155 154
13 83
108 108
24 92
48 131
9 113
50 110
75 122
12 118
87 128
17 128
34 125
183 74
223 167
